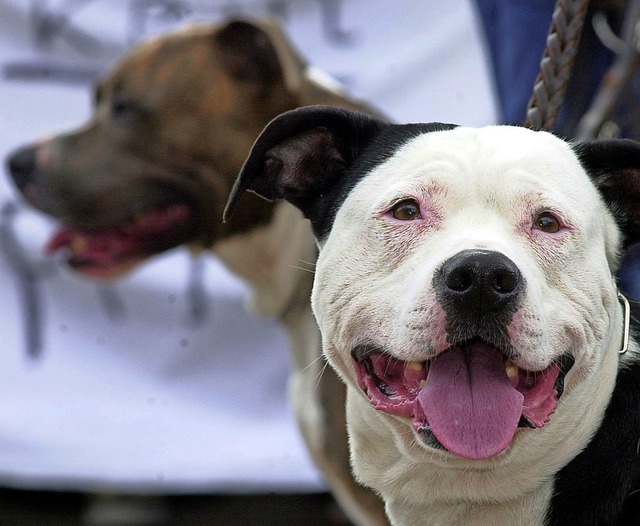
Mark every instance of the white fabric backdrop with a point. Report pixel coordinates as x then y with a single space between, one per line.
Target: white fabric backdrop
141 396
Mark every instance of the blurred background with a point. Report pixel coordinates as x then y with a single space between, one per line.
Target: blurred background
161 384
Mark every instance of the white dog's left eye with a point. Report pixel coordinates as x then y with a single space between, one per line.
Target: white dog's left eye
406 210
547 222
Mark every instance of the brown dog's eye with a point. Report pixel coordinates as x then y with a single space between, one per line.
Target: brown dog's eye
125 109
406 210
547 222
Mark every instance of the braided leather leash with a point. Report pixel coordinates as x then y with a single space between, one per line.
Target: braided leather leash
556 64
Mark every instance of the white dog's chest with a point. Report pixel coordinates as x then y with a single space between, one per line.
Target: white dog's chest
528 511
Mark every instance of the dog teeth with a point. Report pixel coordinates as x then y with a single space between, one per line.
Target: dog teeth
79 244
511 369
415 366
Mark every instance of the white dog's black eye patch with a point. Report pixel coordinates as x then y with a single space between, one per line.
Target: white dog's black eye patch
314 156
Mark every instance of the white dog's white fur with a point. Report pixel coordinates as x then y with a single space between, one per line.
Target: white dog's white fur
447 253
479 190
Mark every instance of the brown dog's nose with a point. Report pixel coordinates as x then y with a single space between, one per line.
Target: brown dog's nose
22 165
480 281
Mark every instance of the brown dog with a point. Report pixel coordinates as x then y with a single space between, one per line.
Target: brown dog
152 169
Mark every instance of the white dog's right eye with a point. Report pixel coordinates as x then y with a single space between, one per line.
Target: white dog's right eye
406 210
547 222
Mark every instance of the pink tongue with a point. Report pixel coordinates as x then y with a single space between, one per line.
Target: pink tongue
469 402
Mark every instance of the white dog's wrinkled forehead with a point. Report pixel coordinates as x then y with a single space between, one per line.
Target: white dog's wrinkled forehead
499 165
491 160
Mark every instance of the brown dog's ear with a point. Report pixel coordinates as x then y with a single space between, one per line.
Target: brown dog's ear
614 167
302 155
258 51
247 53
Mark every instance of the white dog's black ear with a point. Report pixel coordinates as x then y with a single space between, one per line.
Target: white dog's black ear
301 156
614 167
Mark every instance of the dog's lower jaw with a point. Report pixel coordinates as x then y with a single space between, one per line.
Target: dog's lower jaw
423 493
417 482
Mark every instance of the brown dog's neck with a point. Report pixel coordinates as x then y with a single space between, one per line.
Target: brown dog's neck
277 259
255 213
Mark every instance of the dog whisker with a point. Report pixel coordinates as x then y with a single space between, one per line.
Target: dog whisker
310 263
302 268
319 358
324 368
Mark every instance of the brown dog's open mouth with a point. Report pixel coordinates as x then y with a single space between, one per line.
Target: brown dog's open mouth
471 398
109 253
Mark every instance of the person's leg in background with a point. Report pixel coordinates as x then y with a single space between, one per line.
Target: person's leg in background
515 32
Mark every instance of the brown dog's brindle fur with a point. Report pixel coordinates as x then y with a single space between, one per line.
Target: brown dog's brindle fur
173 123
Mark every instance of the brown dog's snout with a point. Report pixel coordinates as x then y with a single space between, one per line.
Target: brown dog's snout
479 282
22 166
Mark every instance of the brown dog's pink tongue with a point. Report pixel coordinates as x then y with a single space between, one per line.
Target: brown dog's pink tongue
469 402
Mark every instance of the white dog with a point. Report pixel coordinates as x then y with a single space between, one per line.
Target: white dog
465 295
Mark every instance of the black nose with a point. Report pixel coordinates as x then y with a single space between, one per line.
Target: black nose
22 165
479 281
